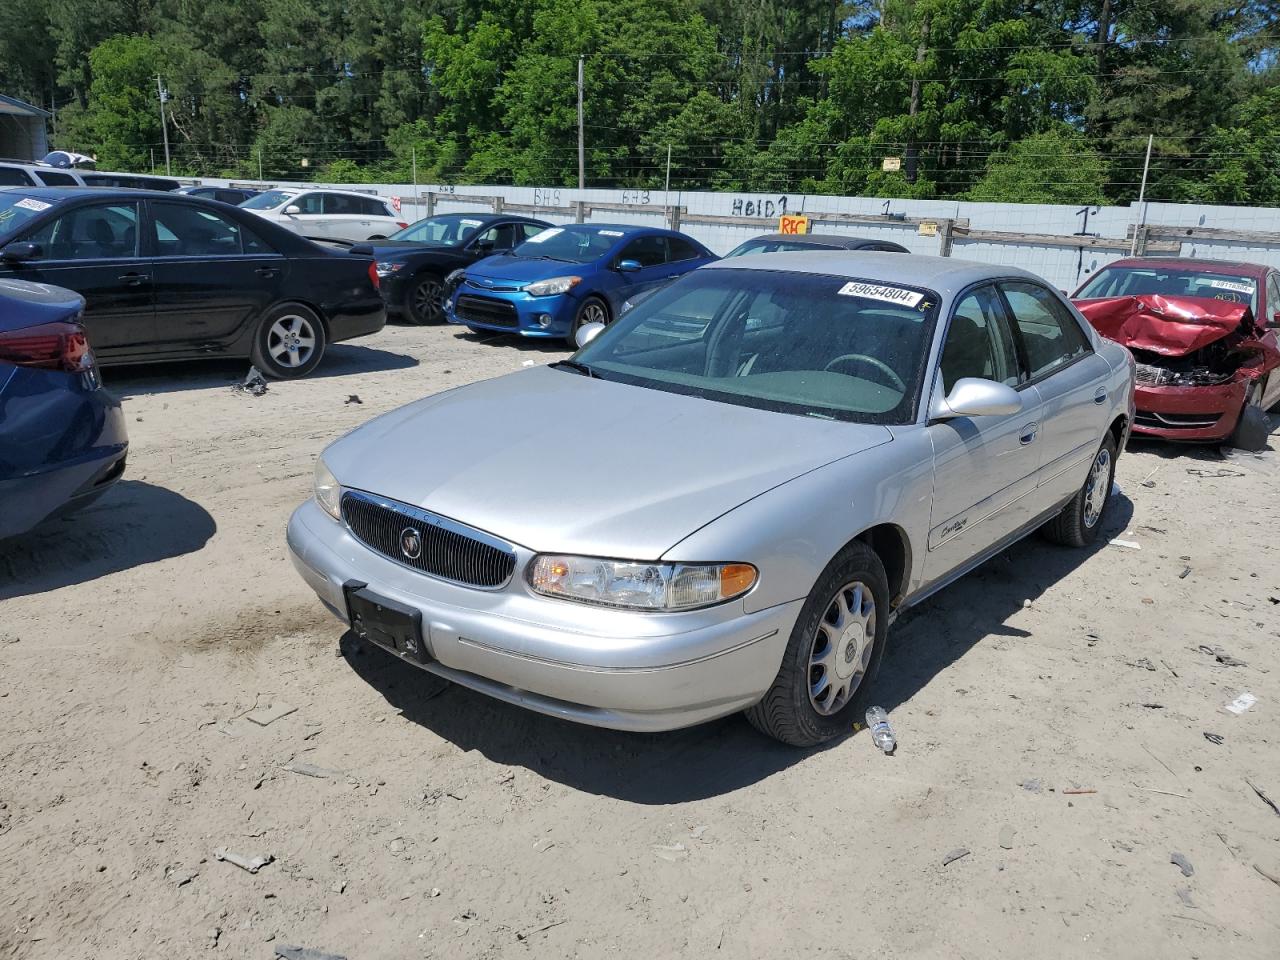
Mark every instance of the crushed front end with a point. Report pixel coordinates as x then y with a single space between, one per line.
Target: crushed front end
1197 360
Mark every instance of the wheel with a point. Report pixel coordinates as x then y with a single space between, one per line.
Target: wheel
1078 523
832 655
289 342
593 310
1254 426
424 302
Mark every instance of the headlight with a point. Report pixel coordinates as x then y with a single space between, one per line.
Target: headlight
638 585
454 278
549 288
328 491
385 269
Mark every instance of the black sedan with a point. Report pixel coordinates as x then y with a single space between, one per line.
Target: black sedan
171 277
416 262
232 195
781 242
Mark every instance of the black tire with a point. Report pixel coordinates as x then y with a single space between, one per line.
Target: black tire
590 311
1079 522
788 711
271 342
424 301
1253 429
377 236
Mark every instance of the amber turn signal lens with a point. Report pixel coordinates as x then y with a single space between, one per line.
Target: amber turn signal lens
736 578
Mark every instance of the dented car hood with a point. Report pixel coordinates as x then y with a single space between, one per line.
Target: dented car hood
1180 326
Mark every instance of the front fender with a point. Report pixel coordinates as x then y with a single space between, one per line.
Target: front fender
792 531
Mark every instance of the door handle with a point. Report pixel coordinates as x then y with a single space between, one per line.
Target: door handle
1100 396
1029 433
267 271
133 279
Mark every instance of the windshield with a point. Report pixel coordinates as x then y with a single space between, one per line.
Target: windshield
774 246
451 230
268 200
578 244
792 342
15 210
1171 281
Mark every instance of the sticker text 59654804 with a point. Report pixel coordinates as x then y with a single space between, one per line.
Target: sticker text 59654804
874 291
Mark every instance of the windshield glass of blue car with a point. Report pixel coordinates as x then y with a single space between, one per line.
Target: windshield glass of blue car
577 244
16 209
451 230
797 343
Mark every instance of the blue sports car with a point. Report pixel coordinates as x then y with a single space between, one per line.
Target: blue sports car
62 437
566 277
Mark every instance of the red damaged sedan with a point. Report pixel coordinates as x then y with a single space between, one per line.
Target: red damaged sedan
1203 334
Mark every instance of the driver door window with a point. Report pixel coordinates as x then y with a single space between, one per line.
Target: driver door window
499 237
646 251
978 343
310 203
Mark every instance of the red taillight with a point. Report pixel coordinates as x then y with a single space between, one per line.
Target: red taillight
61 345
373 275
402 226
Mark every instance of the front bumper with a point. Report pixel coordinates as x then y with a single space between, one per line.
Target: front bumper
618 669
512 311
1189 413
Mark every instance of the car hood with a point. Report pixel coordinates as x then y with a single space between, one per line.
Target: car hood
557 461
524 269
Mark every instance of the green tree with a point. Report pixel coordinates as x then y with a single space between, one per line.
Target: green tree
1053 167
121 124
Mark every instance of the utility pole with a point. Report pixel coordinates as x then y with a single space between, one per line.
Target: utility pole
260 163
416 214
582 153
913 106
668 187
1142 196
164 129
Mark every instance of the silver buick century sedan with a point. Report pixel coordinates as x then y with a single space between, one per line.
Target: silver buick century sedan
726 496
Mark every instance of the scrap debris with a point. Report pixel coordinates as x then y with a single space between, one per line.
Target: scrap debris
1263 797
956 854
270 714
287 952
251 864
353 398
1214 738
255 384
1241 703
311 770
1182 863
1221 656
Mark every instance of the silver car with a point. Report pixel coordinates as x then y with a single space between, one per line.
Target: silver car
725 497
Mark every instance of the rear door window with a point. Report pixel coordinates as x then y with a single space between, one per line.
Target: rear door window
647 251
1050 335
190 231
15 177
681 249
52 179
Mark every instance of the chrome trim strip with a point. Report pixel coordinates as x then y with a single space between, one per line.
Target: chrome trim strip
428 518
588 668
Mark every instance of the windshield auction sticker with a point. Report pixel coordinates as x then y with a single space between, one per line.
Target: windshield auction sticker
27 203
871 291
610 233
1235 286
545 235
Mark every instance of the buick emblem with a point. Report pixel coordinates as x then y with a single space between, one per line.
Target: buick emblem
411 543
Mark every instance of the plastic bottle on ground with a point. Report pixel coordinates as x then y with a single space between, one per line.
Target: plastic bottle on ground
881 732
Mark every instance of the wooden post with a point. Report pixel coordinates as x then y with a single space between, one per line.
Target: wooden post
1141 236
673 217
578 214
945 228
431 203
497 204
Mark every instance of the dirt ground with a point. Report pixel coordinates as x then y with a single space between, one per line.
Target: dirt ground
1051 710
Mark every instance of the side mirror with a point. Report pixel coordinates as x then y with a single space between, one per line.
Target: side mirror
628 266
21 250
484 246
1274 324
586 333
292 210
975 397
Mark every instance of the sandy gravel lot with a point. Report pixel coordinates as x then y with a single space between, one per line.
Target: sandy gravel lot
136 637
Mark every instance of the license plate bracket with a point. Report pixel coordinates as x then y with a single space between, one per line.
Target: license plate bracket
380 620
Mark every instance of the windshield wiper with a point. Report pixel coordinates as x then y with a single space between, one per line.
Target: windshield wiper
577 367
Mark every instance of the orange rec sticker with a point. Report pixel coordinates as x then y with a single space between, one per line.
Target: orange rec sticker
794 225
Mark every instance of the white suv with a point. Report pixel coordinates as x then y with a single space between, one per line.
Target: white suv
335 214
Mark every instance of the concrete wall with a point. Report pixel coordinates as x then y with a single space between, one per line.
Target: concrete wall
1065 267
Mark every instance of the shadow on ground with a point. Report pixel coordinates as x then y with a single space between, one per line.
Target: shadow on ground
341 360
132 524
726 755
549 345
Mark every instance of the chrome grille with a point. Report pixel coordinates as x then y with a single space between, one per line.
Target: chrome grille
448 550
1148 376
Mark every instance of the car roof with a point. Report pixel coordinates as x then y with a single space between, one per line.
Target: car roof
57 194
825 239
942 274
626 228
483 217
1193 263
